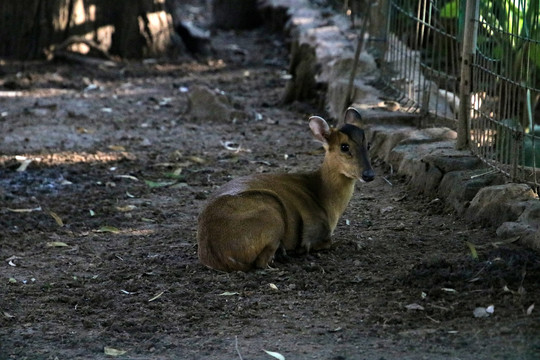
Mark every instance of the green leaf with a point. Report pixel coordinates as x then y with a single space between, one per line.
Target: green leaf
472 248
110 229
158 184
450 10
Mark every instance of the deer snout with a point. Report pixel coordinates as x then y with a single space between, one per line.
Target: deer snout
368 175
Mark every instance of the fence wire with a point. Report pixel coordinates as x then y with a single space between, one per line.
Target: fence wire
423 63
422 58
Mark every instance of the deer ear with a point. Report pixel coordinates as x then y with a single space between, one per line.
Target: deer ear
352 116
320 129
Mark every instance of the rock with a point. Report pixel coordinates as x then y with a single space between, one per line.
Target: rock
531 214
448 160
511 229
209 104
526 228
407 157
460 187
385 138
494 205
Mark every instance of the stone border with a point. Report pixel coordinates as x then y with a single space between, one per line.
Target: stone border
322 52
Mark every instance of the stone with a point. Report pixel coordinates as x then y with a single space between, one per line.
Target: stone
511 229
426 181
531 214
460 187
336 95
385 138
430 135
527 235
209 105
450 159
493 205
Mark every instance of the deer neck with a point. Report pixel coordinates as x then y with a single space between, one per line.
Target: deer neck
335 191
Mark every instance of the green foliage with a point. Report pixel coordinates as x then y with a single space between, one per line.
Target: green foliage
450 10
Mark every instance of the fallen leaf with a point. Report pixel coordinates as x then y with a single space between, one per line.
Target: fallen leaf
449 290
228 293
156 297
83 130
480 312
25 210
113 352
157 184
472 248
273 287
56 244
116 148
110 229
12 280
56 218
530 309
275 354
174 174
386 209
24 165
196 159
130 177
126 208
8 315
414 306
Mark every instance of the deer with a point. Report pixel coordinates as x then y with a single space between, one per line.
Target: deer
246 221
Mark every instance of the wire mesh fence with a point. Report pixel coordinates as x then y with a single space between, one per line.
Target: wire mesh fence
504 103
500 104
421 64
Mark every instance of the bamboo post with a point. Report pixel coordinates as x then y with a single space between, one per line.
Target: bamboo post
470 34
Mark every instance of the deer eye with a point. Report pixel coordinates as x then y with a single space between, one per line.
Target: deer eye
345 148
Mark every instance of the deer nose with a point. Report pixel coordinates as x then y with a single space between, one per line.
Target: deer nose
368 175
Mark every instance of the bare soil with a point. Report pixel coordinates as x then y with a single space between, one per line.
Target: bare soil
97 234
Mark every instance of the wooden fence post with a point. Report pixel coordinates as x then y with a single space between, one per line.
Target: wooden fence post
470 34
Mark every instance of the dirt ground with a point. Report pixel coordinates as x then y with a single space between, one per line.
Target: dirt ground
97 234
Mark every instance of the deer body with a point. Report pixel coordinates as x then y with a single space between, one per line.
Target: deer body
248 219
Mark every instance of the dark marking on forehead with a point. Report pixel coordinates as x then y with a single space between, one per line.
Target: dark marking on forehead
354 133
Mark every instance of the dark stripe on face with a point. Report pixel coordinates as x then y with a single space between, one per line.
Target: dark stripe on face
354 133
358 136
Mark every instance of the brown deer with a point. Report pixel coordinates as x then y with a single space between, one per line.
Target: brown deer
248 219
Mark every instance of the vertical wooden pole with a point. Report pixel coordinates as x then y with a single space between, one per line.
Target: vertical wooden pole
470 34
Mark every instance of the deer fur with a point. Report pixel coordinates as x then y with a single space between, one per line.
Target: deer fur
248 219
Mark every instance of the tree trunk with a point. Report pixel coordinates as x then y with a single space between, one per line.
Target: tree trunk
31 29
235 14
